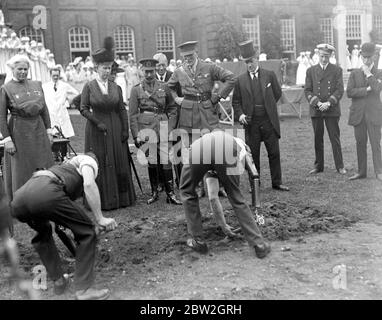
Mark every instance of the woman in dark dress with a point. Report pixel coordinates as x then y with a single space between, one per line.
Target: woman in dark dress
106 132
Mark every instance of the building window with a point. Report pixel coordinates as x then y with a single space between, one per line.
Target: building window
288 37
353 27
326 28
79 42
124 41
377 25
251 27
32 33
165 41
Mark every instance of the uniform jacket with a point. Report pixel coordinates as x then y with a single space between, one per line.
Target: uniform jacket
242 100
324 86
365 103
201 82
140 102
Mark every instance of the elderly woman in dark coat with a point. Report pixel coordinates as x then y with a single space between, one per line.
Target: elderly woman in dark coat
27 133
106 132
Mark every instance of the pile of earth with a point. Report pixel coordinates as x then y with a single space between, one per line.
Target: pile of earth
162 238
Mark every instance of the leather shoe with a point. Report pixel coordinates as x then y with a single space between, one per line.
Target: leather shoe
92 294
314 171
379 176
281 188
262 250
197 245
357 176
61 284
342 171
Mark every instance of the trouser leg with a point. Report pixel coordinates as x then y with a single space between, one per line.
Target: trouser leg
360 133
374 132
271 142
318 129
153 177
334 136
243 212
191 175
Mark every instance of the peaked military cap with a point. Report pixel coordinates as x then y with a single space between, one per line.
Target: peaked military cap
368 49
148 63
187 48
326 48
247 50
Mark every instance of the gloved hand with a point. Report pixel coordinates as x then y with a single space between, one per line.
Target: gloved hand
125 136
102 127
243 119
215 98
10 147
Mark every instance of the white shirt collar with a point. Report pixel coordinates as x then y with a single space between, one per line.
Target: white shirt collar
103 85
324 67
255 73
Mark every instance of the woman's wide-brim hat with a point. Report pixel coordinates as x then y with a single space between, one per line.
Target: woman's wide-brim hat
105 54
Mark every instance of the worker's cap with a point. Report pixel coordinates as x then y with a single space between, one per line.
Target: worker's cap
187 48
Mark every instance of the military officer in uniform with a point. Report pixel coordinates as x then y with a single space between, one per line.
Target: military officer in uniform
323 89
199 107
150 104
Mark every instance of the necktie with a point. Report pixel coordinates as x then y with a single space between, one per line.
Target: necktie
55 87
161 78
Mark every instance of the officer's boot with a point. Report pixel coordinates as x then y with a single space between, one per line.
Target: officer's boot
153 176
178 170
161 180
169 187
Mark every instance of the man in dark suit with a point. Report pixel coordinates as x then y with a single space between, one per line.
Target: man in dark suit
324 88
364 88
255 97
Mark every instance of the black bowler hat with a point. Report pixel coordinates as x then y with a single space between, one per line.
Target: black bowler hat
148 63
247 50
105 54
187 48
368 49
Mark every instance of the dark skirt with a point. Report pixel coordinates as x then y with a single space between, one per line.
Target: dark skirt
114 179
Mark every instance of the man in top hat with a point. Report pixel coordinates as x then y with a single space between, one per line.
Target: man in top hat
151 106
199 108
324 88
364 88
255 103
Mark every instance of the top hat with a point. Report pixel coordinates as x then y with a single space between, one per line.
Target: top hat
326 48
368 49
187 48
148 64
247 50
105 54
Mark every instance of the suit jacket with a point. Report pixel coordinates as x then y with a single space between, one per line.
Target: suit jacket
324 86
242 100
365 103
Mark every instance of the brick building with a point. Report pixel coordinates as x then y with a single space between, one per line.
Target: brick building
143 27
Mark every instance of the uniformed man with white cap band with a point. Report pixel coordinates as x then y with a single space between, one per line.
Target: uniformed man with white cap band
323 89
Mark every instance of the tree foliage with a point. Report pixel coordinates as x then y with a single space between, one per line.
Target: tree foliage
228 37
270 40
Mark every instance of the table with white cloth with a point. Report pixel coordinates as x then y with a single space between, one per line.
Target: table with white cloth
292 98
